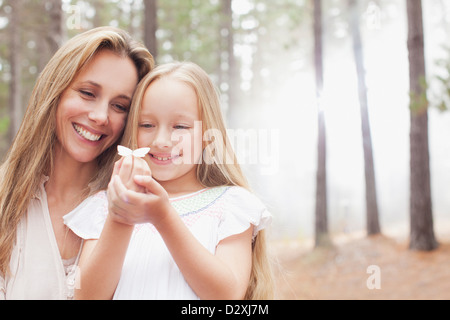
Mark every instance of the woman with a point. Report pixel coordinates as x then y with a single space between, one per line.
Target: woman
61 157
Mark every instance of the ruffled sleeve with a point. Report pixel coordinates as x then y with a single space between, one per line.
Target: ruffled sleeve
242 209
88 219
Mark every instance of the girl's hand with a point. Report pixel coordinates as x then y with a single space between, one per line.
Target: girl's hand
130 167
131 207
124 170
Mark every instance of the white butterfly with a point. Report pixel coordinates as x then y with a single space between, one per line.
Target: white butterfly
140 153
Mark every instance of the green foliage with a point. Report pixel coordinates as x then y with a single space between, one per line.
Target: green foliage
4 125
444 103
190 30
437 88
419 101
441 95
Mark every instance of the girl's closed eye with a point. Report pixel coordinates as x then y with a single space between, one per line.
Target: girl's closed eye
146 125
181 127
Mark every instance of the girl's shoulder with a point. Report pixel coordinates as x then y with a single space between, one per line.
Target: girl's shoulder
88 218
242 199
243 208
235 207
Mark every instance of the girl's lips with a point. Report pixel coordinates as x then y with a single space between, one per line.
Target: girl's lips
163 158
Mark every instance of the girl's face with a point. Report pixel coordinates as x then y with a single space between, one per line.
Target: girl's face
170 125
92 111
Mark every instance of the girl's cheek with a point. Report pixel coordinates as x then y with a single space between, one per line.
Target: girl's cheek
197 151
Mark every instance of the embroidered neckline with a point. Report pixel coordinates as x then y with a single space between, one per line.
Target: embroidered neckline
198 201
189 195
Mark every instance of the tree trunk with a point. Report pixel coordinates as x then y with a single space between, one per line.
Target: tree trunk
372 221
151 26
231 75
55 34
321 222
15 88
421 217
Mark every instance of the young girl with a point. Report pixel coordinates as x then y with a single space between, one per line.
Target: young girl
193 231
61 157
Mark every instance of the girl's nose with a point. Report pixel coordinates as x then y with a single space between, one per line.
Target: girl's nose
163 139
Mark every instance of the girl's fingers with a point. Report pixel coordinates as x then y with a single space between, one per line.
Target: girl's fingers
117 166
120 190
126 168
119 208
141 167
149 183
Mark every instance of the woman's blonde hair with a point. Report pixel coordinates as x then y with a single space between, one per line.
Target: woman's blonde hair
32 151
222 171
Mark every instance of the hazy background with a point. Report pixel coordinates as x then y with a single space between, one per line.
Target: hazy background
275 105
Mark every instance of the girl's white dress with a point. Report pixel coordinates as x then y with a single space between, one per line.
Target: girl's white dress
212 214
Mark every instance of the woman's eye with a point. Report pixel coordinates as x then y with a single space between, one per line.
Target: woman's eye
87 93
120 107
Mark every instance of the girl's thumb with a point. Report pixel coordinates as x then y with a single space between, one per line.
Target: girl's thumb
147 182
117 166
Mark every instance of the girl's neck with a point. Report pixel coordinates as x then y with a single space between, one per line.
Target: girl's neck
181 186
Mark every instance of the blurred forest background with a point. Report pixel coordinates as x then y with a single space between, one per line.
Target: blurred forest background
293 81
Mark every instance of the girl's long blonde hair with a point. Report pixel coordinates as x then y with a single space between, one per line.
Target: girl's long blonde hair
221 172
32 151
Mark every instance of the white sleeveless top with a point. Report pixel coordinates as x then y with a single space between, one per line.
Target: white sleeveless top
37 271
212 214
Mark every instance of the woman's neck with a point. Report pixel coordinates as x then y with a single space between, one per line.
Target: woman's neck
69 178
66 189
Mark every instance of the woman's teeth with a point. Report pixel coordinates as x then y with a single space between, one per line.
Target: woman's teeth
86 134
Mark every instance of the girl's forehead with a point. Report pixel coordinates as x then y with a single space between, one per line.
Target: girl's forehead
169 96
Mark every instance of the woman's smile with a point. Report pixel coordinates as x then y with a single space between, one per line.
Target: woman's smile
87 134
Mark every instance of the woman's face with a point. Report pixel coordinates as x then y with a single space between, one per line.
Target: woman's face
92 111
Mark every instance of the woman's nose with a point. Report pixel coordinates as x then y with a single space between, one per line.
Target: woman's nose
100 114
